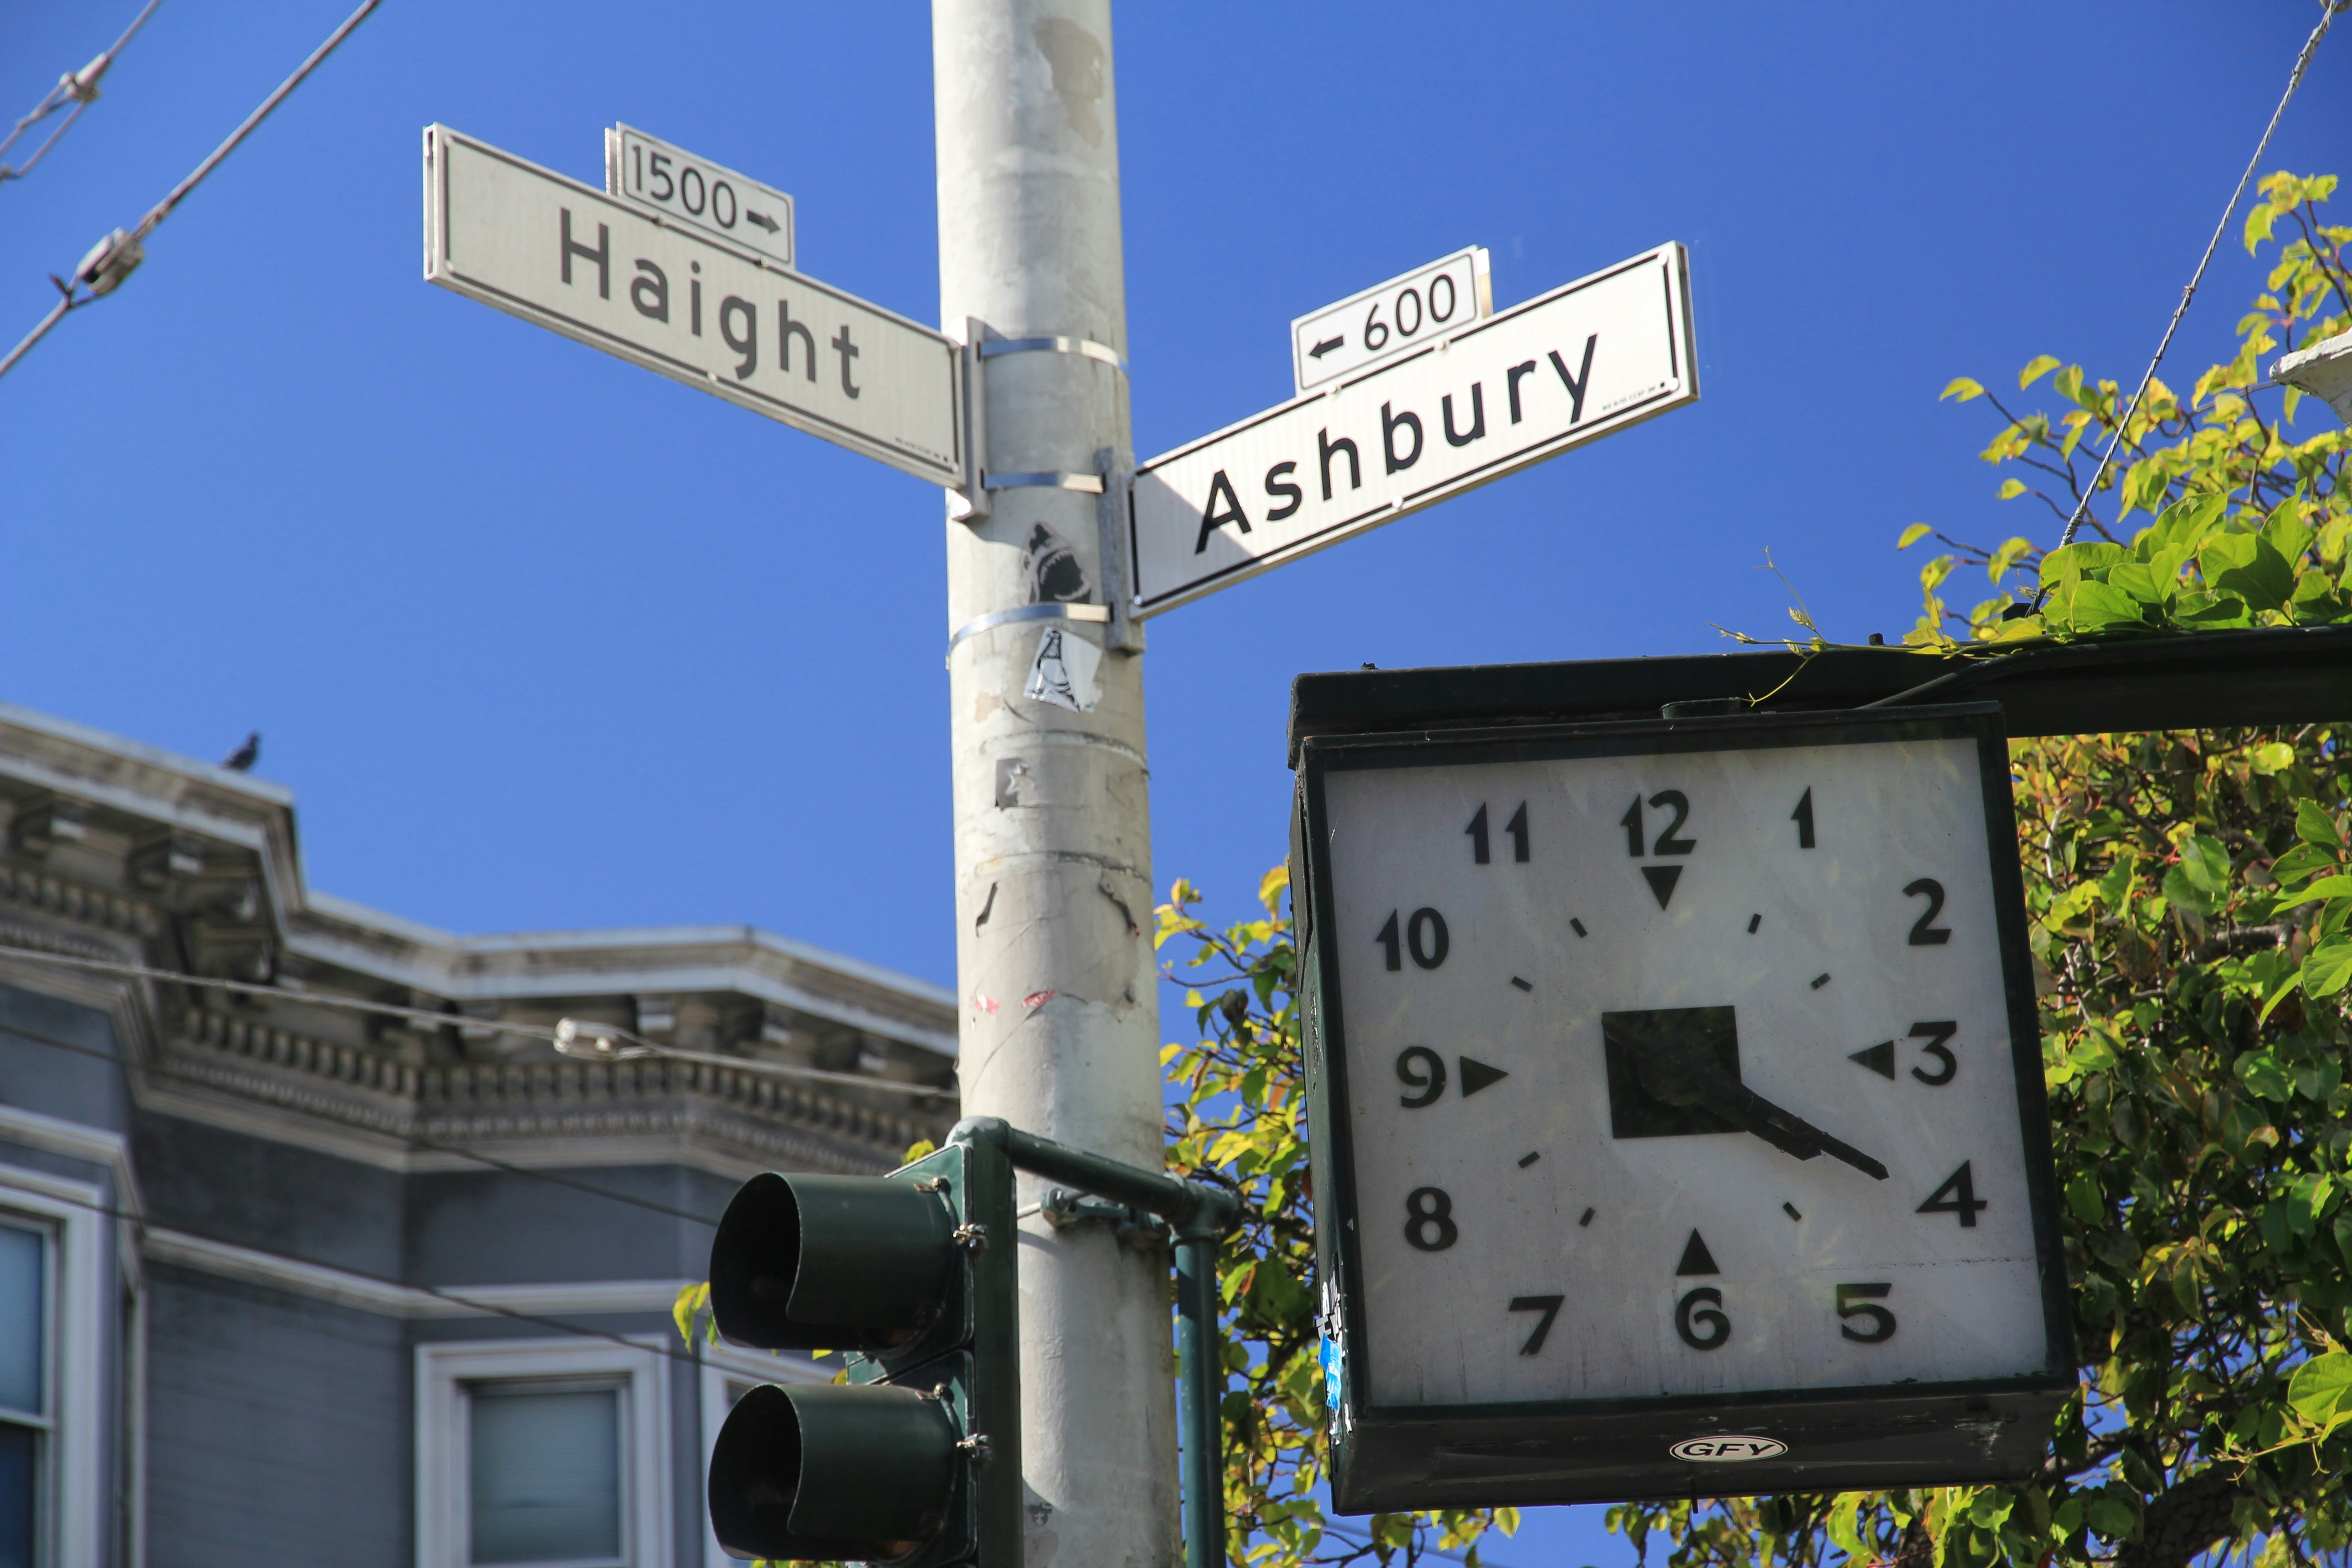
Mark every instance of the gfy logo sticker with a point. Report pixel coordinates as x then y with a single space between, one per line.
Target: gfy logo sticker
1730 1449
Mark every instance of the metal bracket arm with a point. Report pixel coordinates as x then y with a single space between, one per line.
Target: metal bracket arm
1193 1208
1201 1216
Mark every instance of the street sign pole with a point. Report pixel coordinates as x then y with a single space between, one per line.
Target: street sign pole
1060 1017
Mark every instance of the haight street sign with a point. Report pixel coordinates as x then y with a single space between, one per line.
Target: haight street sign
1586 360
577 261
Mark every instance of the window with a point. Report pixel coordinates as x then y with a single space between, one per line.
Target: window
25 1315
50 1502
547 1453
728 1374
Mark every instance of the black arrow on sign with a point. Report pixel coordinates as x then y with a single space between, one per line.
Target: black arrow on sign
763 219
1325 346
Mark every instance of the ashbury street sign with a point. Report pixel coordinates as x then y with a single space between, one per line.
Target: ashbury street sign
1587 359
578 262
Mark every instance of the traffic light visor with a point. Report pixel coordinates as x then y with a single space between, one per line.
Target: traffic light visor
846 1472
832 1262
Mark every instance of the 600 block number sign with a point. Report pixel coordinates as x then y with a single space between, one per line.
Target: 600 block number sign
1678 1080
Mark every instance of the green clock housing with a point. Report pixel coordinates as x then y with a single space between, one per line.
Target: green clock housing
1677 1113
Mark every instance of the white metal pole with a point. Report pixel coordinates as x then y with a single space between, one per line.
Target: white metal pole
1060 1032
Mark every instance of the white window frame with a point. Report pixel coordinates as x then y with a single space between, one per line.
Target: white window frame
444 1510
722 1364
71 1500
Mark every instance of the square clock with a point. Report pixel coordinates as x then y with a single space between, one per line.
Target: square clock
1677 1111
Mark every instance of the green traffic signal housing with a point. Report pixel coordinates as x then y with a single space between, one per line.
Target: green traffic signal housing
916 1461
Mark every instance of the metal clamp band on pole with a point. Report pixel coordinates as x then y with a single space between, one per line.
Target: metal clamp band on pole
1087 346
1099 614
1087 484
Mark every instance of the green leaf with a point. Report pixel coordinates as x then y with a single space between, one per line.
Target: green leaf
2336 887
690 1301
2314 825
1916 532
2321 1390
2110 1517
2181 891
2035 368
2187 521
2303 860
2287 532
2258 225
2079 560
2245 564
2261 1074
2211 611
2328 967
1962 389
2140 582
2096 606
2012 488
2206 863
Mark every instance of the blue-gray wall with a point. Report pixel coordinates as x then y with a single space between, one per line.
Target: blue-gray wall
279 1427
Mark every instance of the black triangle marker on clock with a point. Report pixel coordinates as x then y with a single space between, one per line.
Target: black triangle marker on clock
1476 1075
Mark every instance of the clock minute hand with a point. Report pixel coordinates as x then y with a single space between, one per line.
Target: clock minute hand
1784 1130
1678 1074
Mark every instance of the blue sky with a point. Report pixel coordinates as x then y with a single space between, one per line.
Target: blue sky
542 640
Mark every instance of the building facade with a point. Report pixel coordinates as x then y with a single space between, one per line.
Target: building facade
322 1253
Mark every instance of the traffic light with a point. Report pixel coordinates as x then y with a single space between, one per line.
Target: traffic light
917 1460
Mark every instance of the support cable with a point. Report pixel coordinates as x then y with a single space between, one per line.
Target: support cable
116 257
77 87
2327 12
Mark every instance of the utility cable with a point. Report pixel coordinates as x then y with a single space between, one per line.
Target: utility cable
2328 8
146 1222
414 1141
77 87
570 1036
114 257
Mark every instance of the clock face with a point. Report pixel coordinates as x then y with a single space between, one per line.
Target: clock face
1681 1063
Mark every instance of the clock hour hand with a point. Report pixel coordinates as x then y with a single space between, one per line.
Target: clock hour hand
1681 1074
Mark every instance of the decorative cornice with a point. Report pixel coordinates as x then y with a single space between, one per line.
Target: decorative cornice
60 896
743 1114
218 852
42 757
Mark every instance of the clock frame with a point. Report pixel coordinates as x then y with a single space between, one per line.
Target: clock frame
1617 1444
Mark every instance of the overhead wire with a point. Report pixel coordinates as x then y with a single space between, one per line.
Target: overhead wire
77 87
572 1038
2327 11
113 258
470 1304
413 1141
